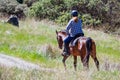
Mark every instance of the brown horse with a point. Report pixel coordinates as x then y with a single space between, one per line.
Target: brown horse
82 46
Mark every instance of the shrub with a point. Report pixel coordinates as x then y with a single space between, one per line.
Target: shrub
20 1
60 10
100 11
46 9
64 18
12 6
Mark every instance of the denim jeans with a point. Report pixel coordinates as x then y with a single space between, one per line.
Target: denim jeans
66 44
68 40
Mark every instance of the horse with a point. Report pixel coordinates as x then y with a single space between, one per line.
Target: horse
82 46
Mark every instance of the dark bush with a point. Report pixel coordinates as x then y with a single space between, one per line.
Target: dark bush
92 12
20 1
9 7
13 20
59 10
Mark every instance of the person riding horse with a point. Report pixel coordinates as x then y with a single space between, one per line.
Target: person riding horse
74 30
81 46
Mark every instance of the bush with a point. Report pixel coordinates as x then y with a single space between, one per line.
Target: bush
88 20
21 10
98 11
64 18
59 10
20 1
46 9
12 6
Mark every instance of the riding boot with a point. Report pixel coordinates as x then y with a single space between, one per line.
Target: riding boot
66 51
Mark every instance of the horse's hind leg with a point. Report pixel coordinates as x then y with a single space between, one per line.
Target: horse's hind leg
96 61
75 62
64 59
93 55
85 61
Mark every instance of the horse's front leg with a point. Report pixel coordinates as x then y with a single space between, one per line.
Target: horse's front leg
75 62
64 59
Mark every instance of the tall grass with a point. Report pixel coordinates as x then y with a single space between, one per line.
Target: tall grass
16 74
35 41
107 44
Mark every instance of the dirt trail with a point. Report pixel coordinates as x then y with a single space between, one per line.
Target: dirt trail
10 61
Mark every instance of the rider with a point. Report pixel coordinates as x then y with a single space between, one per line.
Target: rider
74 30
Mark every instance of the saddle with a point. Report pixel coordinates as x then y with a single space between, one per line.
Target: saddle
76 38
73 42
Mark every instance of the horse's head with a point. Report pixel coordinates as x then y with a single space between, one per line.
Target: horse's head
60 37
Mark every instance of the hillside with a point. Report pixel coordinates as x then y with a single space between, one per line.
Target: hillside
103 14
35 41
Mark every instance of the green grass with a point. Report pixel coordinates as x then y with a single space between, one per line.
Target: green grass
35 41
26 41
106 75
106 44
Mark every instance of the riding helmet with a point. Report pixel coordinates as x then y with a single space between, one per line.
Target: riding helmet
74 13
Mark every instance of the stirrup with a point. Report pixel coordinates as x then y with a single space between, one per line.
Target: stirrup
65 54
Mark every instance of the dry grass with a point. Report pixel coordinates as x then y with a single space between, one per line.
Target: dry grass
38 37
92 74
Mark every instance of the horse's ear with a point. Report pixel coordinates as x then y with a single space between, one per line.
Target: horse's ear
56 32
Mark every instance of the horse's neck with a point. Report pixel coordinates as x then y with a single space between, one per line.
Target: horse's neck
63 37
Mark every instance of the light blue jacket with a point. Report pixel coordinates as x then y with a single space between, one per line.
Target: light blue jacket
74 28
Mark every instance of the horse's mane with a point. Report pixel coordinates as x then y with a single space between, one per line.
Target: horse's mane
64 32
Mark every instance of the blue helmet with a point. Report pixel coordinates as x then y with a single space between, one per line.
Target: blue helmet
74 13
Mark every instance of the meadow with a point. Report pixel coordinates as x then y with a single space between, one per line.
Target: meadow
35 41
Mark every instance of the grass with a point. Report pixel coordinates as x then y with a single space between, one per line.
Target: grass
106 44
26 42
16 74
35 41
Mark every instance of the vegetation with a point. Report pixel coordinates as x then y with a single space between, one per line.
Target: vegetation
16 74
30 44
94 13
36 42
8 7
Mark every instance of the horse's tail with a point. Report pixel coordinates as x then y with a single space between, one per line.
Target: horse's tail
88 49
89 45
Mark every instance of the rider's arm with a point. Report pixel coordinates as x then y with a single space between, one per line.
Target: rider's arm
68 26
